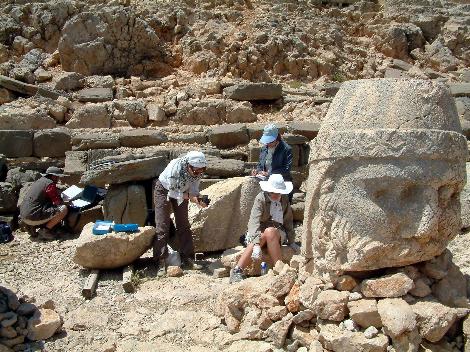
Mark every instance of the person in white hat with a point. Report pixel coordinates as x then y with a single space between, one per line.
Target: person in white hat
175 187
42 207
270 225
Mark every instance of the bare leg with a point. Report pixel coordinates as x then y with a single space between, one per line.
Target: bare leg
245 259
57 218
272 237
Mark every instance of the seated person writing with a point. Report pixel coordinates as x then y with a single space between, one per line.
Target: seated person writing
42 205
270 224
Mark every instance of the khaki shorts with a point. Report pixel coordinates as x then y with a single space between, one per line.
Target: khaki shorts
60 208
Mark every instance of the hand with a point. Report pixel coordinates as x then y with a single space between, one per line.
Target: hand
295 247
201 204
253 172
264 173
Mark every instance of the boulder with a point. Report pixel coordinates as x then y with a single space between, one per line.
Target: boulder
364 313
137 138
20 116
331 305
433 319
95 95
19 177
395 285
112 250
253 91
11 140
465 202
52 143
119 170
460 89
277 333
376 131
90 116
43 324
93 43
8 197
132 111
156 113
227 136
125 204
69 81
333 338
397 316
220 225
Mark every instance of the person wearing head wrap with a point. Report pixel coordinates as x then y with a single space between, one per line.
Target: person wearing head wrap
42 205
275 155
176 186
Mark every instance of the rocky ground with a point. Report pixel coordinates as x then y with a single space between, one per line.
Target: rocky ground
170 314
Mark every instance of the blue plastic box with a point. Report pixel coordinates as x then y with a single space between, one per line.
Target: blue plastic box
102 227
126 227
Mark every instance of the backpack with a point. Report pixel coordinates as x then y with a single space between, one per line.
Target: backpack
6 235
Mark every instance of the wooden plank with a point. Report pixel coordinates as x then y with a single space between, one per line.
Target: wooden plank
25 88
90 285
127 284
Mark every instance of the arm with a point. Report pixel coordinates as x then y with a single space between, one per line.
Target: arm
255 219
262 158
193 194
288 160
289 222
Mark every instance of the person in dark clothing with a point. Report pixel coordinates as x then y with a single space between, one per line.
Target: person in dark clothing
42 205
275 156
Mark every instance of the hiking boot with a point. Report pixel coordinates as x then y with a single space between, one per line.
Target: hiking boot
189 264
236 275
161 268
46 234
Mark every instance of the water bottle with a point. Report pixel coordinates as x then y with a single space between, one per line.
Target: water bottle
256 254
264 268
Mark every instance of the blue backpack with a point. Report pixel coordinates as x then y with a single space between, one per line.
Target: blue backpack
6 234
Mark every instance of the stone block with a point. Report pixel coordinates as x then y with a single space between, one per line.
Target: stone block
88 141
137 138
255 131
115 171
43 324
190 138
364 313
16 143
306 129
227 136
460 89
95 95
52 143
125 204
224 167
253 91
395 285
397 316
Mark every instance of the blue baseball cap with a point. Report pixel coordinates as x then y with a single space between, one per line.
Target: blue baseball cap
270 133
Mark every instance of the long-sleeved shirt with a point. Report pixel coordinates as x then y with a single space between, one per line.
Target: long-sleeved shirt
281 160
260 218
191 187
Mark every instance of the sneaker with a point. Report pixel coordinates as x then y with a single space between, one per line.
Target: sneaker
236 275
161 268
46 234
189 264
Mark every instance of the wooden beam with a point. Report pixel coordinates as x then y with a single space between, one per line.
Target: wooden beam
127 284
90 285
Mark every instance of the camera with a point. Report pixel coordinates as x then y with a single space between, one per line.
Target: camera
204 199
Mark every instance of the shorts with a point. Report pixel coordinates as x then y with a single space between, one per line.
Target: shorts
51 213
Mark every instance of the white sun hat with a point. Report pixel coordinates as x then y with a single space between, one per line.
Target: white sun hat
276 184
196 159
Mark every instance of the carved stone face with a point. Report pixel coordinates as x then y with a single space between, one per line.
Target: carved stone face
386 171
380 213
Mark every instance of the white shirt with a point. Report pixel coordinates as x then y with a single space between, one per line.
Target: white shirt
276 211
269 160
191 187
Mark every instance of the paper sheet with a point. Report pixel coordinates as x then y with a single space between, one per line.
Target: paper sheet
71 192
80 203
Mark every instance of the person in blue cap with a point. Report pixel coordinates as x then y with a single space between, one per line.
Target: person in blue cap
275 156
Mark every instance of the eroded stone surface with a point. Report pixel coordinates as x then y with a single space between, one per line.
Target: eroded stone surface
391 182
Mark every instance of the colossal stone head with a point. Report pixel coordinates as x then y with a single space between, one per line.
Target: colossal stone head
386 172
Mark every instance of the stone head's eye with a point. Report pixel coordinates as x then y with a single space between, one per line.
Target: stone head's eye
407 192
380 193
